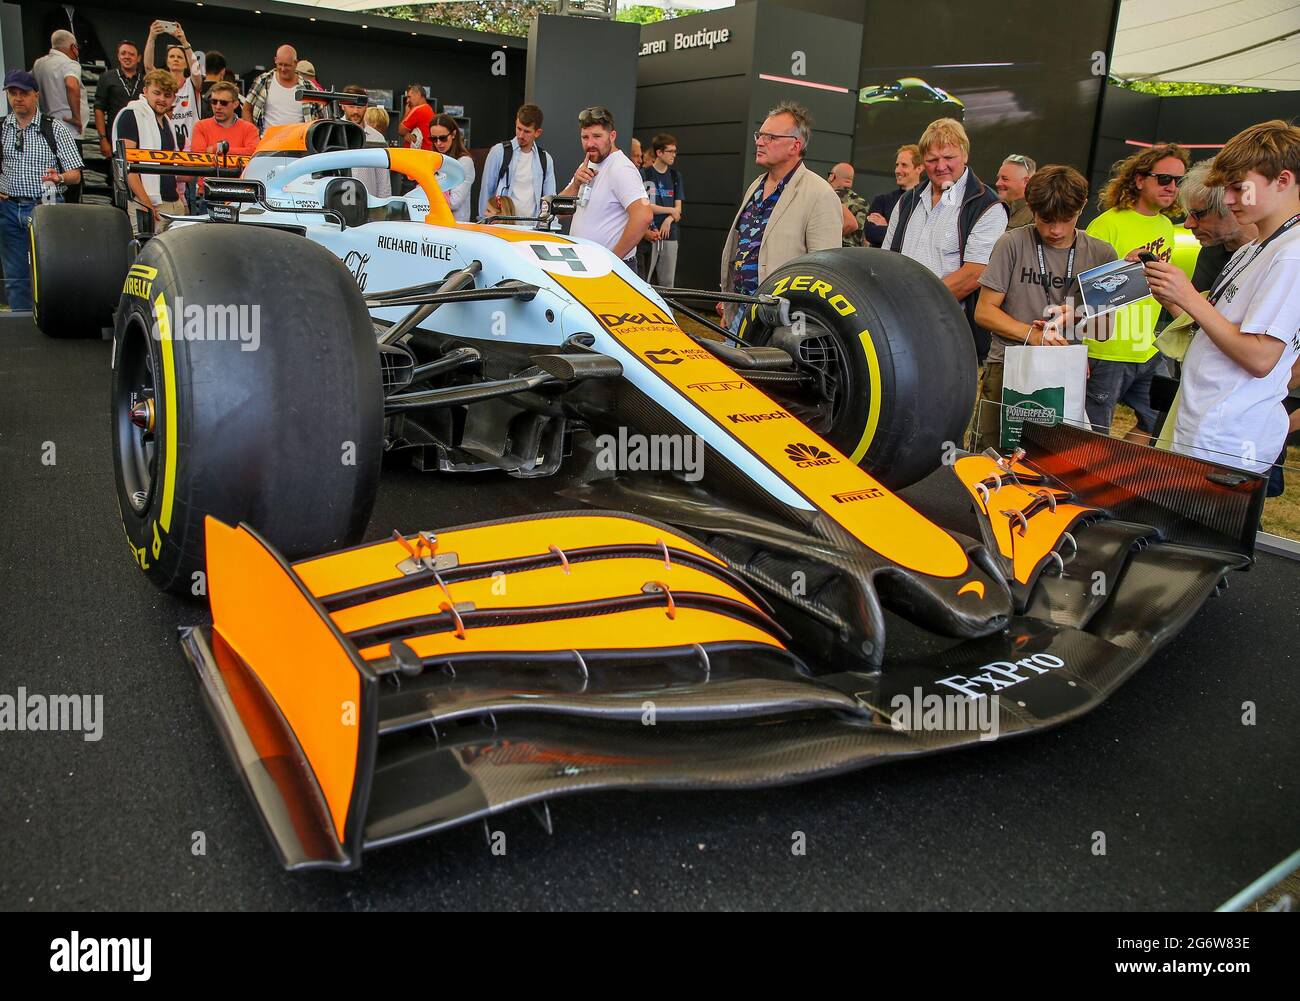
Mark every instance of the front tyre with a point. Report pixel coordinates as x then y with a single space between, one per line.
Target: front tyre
245 386
893 354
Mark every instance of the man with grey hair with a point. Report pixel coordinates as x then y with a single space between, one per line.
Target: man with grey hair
59 76
787 212
1013 175
1217 229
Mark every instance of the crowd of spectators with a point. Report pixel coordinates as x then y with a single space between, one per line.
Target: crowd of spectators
1009 252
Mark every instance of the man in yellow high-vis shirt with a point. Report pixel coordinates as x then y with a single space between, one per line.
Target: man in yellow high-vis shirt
1137 203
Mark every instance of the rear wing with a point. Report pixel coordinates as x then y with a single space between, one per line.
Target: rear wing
178 163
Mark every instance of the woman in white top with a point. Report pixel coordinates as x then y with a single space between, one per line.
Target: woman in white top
447 140
184 68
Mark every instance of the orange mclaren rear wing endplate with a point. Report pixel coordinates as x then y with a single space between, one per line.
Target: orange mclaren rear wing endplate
302 657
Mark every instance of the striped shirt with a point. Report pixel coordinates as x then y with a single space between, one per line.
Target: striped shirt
25 169
931 235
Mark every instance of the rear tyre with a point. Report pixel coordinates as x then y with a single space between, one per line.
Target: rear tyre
893 351
79 256
246 386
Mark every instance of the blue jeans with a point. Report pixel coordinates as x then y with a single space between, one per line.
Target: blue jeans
15 220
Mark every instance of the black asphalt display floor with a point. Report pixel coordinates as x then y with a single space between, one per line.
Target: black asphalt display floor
1193 805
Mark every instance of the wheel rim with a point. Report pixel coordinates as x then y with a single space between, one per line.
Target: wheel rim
821 354
134 389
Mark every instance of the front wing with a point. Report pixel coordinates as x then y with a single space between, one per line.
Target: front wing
406 686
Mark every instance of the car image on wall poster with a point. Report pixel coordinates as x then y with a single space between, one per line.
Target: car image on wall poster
906 106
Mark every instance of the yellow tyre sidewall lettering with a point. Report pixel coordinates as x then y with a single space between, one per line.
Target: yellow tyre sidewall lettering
873 405
31 238
161 316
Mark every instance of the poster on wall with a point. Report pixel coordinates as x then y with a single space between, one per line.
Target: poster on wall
1027 85
380 98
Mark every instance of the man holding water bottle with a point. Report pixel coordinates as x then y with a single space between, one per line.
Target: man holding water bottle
613 209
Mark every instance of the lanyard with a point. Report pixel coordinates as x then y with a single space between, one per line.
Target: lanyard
1042 259
1223 283
134 89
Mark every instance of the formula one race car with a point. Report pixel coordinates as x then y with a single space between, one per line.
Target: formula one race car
748 606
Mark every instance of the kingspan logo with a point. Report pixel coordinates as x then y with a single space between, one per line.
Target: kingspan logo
772 415
806 456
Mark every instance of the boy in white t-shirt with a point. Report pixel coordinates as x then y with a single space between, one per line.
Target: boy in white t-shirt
617 212
1247 330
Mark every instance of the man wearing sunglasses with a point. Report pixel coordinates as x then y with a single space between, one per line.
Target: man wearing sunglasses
38 157
787 212
1137 204
1219 232
225 125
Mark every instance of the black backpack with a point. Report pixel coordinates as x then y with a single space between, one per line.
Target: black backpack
46 126
507 154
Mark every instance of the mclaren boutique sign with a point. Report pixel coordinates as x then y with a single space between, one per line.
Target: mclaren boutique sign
702 39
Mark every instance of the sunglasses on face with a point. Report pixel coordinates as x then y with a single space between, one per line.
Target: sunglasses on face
1164 180
218 102
445 137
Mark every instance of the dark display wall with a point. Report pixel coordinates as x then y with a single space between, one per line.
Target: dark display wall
712 95
574 63
1202 123
1022 78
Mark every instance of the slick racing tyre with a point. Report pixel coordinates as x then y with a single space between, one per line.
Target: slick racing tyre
892 352
79 257
246 386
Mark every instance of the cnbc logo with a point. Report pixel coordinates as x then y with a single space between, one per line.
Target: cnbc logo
805 456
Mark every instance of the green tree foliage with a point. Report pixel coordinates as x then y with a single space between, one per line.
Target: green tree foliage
1177 88
505 17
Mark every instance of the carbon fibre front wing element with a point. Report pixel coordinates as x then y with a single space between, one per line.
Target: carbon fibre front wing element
406 686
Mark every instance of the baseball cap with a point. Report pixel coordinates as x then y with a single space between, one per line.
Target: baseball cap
20 79
306 68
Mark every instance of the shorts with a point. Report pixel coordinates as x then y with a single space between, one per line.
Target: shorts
1113 382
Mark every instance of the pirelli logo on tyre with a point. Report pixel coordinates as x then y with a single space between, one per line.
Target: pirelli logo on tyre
807 456
139 281
822 289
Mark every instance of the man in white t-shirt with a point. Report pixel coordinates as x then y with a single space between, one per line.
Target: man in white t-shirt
615 212
1247 331
271 99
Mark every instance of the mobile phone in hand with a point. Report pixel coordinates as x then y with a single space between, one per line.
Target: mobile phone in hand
1146 257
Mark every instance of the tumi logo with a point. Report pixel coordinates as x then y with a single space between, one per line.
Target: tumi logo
805 456
635 319
870 493
716 387
775 415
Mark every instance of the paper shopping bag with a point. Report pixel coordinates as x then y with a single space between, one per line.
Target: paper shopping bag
1043 384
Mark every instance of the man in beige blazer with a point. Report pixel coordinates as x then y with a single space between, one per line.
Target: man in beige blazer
787 212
